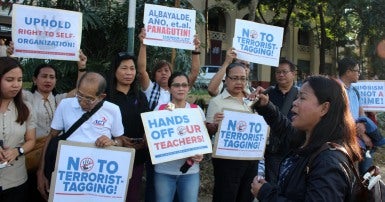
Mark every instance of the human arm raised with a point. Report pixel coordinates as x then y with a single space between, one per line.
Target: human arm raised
144 78
195 62
217 78
82 62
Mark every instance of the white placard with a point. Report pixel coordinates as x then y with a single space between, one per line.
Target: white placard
87 173
176 134
46 33
257 43
372 94
241 136
169 27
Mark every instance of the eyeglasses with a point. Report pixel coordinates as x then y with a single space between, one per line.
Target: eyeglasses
177 85
284 72
124 54
241 79
88 100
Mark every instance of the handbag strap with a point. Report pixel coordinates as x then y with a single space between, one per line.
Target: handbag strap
335 146
80 121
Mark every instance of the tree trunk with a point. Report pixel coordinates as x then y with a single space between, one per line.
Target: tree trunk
252 7
322 69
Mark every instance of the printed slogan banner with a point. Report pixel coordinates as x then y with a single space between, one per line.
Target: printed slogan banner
371 94
257 43
241 136
87 173
46 33
169 27
176 134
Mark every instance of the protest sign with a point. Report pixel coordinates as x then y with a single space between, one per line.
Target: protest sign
241 136
46 33
176 134
87 173
169 27
257 43
371 94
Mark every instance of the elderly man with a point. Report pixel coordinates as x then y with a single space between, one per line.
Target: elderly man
104 124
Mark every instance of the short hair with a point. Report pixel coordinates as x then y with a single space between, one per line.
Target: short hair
158 65
93 78
346 64
286 61
232 65
176 74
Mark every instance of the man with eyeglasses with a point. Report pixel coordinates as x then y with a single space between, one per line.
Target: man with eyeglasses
216 84
104 127
282 95
348 71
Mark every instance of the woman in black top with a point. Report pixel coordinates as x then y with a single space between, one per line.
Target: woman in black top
320 114
124 92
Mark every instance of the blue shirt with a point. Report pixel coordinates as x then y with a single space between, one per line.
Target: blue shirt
354 102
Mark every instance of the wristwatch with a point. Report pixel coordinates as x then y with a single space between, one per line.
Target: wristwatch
20 150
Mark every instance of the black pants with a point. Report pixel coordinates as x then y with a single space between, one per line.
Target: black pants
150 188
33 192
233 179
14 194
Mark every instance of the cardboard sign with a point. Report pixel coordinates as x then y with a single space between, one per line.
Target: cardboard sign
257 43
84 172
169 27
241 136
46 33
372 94
176 134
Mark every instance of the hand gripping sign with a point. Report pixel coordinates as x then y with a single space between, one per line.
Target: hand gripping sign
85 172
241 136
175 134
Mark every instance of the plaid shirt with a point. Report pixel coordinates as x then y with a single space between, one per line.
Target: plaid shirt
154 97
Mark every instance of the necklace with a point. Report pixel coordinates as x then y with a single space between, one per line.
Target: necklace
48 109
3 116
3 124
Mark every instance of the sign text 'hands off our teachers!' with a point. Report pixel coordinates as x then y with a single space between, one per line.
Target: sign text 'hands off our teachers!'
257 43
87 173
175 134
169 27
46 33
241 136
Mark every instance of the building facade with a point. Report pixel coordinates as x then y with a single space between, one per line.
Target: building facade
298 45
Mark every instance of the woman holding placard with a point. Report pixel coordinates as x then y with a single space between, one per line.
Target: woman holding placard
231 177
181 176
310 171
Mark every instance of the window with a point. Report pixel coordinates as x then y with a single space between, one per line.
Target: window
303 37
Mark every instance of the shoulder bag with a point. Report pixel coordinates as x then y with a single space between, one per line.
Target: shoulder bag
52 147
367 188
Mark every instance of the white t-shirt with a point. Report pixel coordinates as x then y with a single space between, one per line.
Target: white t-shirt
164 96
106 121
172 167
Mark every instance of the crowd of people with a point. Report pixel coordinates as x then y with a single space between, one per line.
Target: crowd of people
302 120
